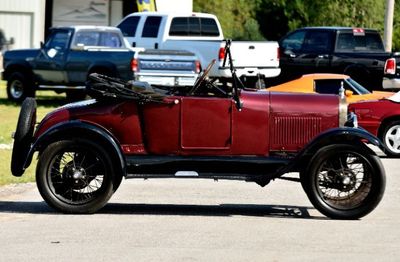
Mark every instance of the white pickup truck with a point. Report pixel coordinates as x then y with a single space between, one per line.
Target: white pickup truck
201 34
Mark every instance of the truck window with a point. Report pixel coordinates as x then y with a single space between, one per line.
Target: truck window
348 42
317 42
129 25
95 38
151 26
294 41
58 40
193 26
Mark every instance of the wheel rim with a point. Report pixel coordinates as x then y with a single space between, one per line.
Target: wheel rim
392 139
344 180
76 176
16 89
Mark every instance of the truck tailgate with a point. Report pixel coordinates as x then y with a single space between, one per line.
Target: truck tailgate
255 54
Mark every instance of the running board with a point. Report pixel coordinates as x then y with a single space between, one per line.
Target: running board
222 167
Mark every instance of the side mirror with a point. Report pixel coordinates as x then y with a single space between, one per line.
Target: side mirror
11 41
348 93
41 45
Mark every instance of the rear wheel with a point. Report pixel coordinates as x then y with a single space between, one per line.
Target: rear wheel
344 182
19 87
75 176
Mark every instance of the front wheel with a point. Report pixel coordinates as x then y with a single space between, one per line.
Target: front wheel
19 87
391 139
344 181
75 176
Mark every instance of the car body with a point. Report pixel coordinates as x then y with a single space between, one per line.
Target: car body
133 130
381 118
330 84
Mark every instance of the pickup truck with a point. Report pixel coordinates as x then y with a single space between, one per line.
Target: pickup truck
64 62
165 68
356 52
201 34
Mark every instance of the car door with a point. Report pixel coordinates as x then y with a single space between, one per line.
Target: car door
316 51
206 123
150 33
49 64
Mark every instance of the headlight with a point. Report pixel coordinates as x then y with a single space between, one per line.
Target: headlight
351 120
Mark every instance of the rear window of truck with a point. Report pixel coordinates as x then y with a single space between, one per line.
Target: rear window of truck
193 26
349 42
96 38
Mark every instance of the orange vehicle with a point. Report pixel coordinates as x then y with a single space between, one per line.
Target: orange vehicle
330 84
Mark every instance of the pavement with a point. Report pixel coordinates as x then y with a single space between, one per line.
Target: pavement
198 220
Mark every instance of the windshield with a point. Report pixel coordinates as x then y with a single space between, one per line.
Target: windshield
357 88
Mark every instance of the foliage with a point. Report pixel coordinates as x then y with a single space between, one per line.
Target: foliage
272 19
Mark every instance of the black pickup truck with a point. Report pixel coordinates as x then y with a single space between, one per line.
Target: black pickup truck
356 52
64 62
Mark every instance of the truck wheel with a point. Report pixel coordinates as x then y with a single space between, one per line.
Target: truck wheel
391 139
344 181
23 135
75 176
19 87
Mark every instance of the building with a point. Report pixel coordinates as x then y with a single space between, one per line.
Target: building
27 21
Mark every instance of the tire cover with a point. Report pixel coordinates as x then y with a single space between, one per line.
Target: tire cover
23 135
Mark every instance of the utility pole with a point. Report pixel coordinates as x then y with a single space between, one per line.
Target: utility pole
388 33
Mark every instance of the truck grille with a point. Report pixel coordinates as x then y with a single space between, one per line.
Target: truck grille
294 130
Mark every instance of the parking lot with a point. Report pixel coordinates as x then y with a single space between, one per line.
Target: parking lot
198 220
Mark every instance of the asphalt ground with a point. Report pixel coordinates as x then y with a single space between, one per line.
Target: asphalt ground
198 220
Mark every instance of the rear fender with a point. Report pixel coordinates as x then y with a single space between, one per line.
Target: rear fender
71 129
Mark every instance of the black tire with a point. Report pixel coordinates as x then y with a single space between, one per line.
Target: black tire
391 139
19 87
75 176
344 181
23 135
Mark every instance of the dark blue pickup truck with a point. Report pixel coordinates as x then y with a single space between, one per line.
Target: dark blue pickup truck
65 60
356 52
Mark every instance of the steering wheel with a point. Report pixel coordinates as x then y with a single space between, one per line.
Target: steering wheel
202 77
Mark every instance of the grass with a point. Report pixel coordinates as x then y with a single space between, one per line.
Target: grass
9 112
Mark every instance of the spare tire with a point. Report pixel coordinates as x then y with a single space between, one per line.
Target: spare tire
23 136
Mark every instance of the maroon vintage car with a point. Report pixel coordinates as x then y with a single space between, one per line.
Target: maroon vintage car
132 130
381 118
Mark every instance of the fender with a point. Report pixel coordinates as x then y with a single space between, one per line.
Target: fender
77 128
345 135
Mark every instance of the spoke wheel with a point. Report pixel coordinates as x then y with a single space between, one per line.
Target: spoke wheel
75 176
391 138
344 182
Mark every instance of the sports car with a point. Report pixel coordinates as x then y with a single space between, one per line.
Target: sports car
381 118
330 84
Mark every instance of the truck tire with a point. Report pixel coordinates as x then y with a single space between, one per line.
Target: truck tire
344 182
19 87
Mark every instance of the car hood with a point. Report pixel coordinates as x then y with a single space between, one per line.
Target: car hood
20 54
375 95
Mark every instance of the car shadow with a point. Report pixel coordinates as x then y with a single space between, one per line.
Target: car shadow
282 211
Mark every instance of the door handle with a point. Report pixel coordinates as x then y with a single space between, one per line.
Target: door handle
322 56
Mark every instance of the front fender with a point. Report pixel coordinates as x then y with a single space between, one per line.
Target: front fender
71 129
342 135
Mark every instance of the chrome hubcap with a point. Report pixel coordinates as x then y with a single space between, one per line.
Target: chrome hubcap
17 89
392 139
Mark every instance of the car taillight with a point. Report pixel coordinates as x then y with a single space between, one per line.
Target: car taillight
198 66
134 65
221 53
278 54
390 67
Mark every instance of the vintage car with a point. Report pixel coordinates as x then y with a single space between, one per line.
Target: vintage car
330 84
381 118
132 130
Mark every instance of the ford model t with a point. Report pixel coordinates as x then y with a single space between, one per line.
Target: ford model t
133 130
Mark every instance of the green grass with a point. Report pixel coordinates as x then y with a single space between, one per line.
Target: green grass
9 112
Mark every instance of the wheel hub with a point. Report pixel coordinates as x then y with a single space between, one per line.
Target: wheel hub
75 176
